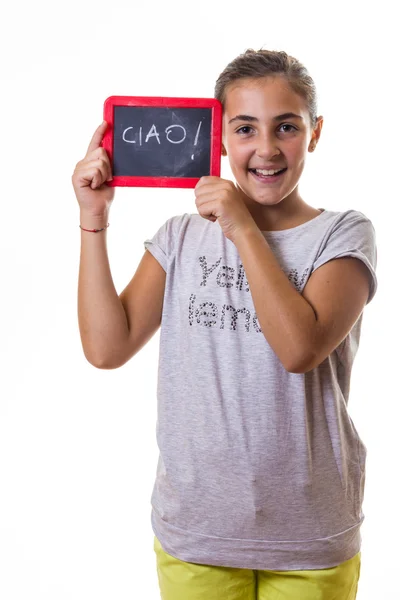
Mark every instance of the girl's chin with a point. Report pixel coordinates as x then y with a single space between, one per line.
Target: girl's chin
265 194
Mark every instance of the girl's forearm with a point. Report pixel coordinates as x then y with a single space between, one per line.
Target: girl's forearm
102 320
287 320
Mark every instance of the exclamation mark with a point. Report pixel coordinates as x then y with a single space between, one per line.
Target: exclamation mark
197 137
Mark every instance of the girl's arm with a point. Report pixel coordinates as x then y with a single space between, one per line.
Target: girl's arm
113 328
302 329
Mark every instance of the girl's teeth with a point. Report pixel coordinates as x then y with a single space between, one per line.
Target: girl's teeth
265 172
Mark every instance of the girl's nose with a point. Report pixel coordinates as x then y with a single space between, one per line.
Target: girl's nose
267 147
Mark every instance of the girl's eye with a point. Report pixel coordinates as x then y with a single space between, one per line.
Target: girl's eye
244 129
292 128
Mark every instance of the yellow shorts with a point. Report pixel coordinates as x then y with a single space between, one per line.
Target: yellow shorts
180 580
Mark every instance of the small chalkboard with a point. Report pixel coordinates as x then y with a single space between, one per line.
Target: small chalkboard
162 142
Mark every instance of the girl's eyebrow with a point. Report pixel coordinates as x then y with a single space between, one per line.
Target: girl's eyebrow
288 115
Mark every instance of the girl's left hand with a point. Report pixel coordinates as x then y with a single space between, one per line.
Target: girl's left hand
218 198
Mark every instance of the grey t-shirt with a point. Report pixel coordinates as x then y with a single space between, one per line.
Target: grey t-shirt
258 468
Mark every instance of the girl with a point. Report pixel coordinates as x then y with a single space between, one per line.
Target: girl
260 479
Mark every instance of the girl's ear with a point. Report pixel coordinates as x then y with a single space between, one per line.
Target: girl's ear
316 134
223 151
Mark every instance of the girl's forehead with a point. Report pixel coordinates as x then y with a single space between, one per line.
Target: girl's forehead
266 94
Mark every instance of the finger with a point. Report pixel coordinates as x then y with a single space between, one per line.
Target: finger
207 209
208 179
209 217
200 182
93 173
100 153
209 185
207 193
103 166
97 179
90 178
97 137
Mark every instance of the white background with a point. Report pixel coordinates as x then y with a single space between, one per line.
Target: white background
77 445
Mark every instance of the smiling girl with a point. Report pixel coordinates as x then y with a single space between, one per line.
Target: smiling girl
260 298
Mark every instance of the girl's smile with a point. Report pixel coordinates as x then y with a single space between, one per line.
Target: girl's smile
267 176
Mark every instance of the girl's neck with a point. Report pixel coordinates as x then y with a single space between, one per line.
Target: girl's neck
290 212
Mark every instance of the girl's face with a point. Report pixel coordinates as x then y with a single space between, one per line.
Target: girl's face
266 126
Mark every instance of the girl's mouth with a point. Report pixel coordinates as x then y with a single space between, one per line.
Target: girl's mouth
267 178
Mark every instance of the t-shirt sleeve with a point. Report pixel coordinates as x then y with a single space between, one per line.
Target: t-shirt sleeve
162 244
353 235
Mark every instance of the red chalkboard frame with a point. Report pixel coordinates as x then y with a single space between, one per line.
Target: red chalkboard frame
176 182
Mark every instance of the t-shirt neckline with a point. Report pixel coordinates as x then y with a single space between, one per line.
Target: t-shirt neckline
297 228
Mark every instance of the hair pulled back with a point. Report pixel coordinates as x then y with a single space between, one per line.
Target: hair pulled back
263 63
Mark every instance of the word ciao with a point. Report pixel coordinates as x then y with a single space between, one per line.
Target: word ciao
206 314
172 131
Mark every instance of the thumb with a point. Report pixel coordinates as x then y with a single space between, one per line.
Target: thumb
97 138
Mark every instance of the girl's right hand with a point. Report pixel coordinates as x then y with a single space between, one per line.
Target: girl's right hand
93 195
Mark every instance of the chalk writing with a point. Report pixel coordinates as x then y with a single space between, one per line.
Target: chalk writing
154 133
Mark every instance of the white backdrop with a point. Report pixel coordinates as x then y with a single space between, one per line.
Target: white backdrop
78 450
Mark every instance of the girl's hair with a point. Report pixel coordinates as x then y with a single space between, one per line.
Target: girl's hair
262 63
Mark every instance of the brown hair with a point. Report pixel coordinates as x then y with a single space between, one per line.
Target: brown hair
262 63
